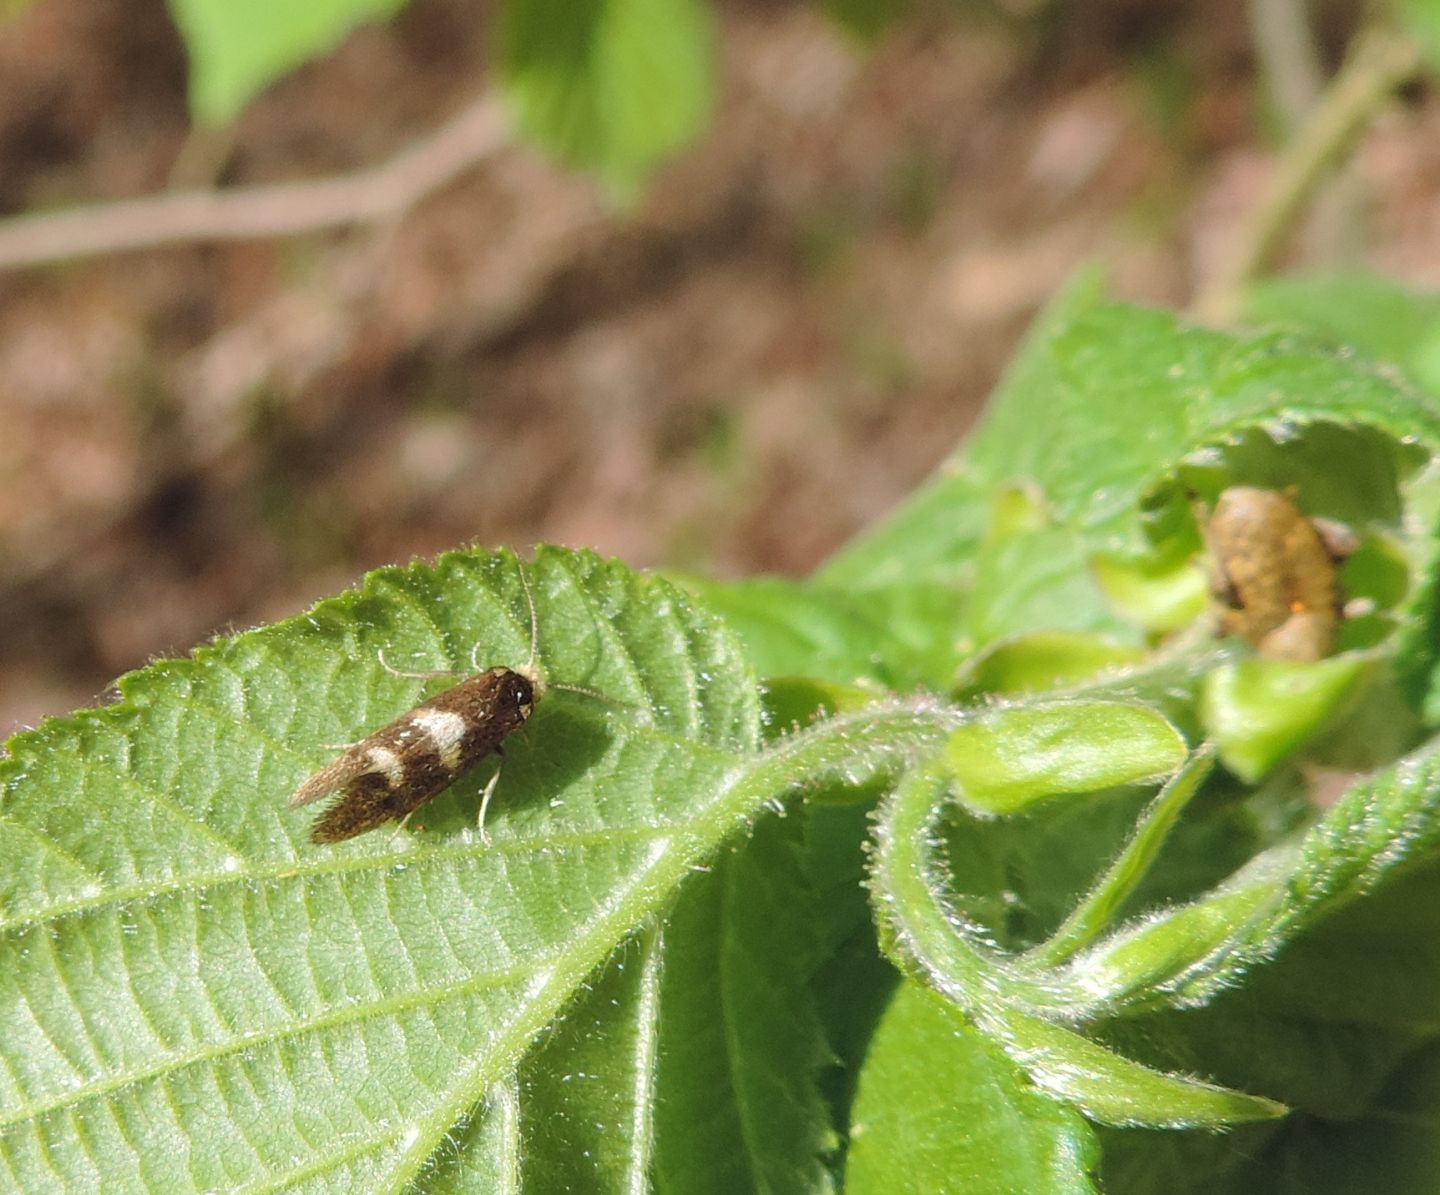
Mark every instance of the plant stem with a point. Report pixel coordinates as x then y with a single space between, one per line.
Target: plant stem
1287 58
1097 911
374 195
1379 63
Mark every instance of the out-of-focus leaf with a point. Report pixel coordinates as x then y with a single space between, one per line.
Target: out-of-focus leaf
867 19
1159 596
614 86
1259 711
930 539
808 628
1035 579
1121 395
237 50
1043 660
1377 315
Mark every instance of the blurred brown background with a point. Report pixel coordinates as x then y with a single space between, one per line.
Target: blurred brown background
799 320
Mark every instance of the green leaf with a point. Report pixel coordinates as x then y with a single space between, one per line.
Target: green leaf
1014 757
979 1127
1307 976
930 539
1381 827
867 19
1159 595
810 629
1143 964
578 1100
237 50
1422 17
197 998
401 1007
1035 579
1321 995
1395 1146
1043 660
1106 417
1069 424
855 982
610 85
1311 976
1260 711
1334 1022
738 1105
913 572
793 701
1113 1090
1377 315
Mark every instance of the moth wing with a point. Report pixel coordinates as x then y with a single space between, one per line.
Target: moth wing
334 775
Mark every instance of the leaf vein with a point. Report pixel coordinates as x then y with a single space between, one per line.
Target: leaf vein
136 894
332 1019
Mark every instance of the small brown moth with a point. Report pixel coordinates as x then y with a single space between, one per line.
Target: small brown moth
395 770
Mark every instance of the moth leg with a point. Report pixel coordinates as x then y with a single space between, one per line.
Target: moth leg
380 655
399 827
485 804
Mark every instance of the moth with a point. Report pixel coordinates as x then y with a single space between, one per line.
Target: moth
395 770
1274 573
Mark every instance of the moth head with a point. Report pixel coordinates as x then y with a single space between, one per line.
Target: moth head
521 689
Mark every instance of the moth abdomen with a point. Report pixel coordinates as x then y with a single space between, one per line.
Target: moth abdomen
400 767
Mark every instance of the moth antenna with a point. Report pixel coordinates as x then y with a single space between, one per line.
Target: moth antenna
595 693
645 711
534 618
380 655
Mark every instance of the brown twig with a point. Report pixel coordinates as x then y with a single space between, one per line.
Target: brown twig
1379 63
375 193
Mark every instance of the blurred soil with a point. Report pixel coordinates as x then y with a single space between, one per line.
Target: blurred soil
796 325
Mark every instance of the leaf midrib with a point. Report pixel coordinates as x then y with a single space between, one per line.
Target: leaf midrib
142 891
130 896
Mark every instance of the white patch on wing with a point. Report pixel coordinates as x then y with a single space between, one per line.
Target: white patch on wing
387 763
446 730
